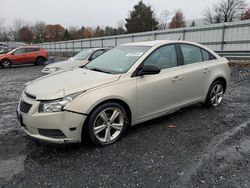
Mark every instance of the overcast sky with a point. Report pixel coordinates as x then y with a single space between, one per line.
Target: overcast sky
90 12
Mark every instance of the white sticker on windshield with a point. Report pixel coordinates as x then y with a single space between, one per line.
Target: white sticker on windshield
134 54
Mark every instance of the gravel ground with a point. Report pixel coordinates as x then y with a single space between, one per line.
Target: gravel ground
194 147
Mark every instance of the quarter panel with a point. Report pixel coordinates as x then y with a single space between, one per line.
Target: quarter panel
218 68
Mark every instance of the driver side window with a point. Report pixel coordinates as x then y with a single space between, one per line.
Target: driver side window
165 57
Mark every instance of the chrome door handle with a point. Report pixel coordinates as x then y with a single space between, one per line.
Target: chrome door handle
177 78
206 70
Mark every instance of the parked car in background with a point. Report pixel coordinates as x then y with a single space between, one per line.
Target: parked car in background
127 85
4 50
82 58
24 55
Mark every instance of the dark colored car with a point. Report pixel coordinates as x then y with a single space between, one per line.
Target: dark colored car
24 55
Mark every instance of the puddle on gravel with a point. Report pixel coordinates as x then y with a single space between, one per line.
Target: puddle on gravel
11 167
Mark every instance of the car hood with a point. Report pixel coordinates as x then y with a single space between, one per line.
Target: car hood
3 54
67 82
68 64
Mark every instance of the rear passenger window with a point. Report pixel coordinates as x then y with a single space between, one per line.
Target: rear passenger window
207 56
191 54
29 50
165 57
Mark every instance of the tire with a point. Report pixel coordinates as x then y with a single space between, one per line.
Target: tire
40 61
5 64
215 94
102 129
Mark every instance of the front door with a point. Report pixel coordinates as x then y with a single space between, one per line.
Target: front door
19 56
159 93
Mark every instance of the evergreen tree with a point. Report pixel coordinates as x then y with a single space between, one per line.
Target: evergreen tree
141 19
193 24
66 35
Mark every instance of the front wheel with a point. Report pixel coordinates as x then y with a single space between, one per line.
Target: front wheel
107 123
215 94
5 64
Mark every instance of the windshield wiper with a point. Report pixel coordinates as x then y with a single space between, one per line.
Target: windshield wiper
100 70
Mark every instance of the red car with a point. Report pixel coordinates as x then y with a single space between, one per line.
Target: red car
23 55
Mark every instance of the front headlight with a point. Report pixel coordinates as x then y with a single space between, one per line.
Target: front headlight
56 105
54 69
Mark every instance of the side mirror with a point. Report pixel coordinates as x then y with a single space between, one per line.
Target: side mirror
149 70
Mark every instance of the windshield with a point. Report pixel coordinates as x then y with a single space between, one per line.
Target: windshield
12 51
118 60
83 54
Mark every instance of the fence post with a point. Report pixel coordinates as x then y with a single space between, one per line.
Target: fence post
184 34
102 42
223 37
55 49
115 41
73 44
155 35
90 45
132 38
60 46
66 48
50 47
81 44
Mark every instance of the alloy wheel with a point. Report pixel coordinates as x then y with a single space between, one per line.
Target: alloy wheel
217 94
108 124
6 64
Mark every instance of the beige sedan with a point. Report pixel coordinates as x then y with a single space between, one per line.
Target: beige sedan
127 85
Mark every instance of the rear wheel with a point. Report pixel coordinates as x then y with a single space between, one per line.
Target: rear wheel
5 63
40 61
107 123
215 94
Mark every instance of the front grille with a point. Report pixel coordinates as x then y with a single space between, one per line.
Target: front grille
25 107
52 133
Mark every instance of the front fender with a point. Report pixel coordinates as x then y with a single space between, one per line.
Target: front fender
86 102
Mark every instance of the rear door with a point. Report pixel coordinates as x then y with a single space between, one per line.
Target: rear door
194 71
31 54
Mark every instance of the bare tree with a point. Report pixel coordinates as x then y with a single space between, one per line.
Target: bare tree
25 35
208 16
39 31
121 24
178 20
164 18
3 33
14 30
1 25
225 11
246 15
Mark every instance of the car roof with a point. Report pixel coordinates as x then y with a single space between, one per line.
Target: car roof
104 48
26 47
155 43
146 43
